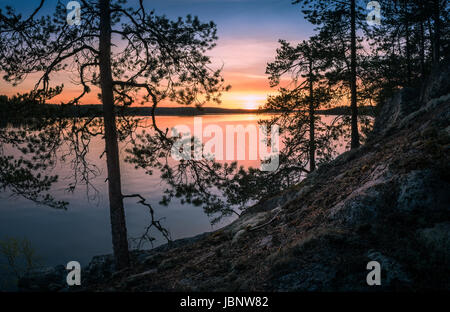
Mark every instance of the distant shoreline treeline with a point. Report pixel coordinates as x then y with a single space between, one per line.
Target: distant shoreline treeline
10 111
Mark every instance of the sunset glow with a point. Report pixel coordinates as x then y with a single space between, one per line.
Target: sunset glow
253 101
220 154
242 50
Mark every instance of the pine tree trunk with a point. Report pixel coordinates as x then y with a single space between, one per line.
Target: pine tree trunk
407 48
431 39
422 49
437 32
118 226
354 107
312 142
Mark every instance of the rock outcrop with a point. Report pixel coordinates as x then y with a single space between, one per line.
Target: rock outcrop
388 201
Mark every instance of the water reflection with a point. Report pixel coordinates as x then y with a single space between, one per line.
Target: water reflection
83 230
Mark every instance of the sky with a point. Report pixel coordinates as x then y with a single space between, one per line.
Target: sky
248 32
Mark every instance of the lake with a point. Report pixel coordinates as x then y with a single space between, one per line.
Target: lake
83 230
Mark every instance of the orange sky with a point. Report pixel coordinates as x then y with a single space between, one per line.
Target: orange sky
243 69
248 32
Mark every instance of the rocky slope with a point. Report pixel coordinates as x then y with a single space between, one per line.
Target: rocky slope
387 201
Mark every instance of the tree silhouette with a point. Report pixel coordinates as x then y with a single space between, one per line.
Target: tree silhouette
130 54
298 103
341 20
402 47
35 142
226 189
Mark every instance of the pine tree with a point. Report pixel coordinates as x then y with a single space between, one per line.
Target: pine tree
326 15
164 59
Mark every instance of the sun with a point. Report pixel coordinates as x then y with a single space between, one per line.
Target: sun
252 101
251 105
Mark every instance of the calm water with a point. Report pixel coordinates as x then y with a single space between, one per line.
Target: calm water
83 230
